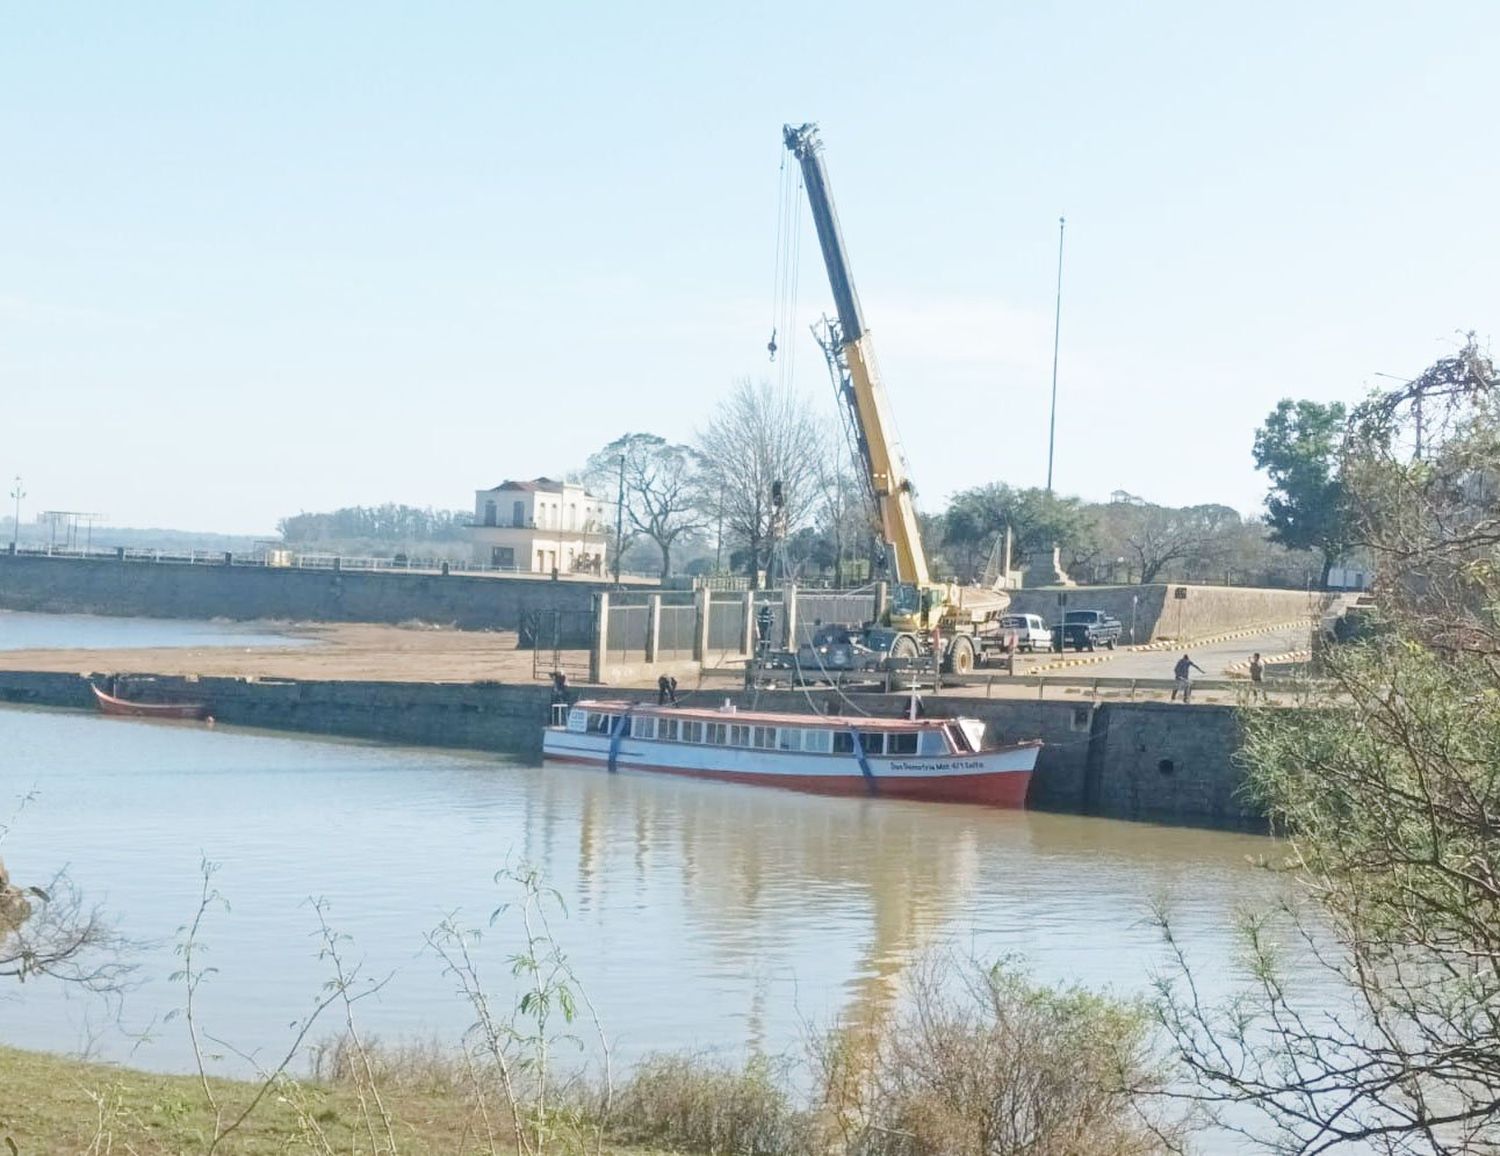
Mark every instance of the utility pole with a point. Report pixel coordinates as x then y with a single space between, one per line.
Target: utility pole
1062 223
620 521
15 531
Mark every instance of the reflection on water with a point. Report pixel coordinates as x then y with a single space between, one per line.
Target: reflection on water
22 631
701 914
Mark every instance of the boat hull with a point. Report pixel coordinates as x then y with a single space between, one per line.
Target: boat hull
122 708
997 778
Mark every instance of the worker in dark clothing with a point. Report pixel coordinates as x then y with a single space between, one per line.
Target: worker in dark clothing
763 619
560 692
1183 673
666 690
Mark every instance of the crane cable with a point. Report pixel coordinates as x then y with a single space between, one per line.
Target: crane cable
776 264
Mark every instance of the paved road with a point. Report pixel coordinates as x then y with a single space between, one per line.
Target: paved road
1212 658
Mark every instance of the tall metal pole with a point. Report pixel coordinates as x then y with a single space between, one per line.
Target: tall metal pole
15 531
1062 223
620 521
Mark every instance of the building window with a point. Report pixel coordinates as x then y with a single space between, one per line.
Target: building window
572 515
503 556
518 514
489 513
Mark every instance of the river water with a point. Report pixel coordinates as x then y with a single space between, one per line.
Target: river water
700 915
23 631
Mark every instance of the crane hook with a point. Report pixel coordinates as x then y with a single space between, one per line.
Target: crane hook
771 345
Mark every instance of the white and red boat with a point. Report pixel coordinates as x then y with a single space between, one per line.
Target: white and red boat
937 759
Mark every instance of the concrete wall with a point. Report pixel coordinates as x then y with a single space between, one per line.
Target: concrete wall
180 590
1207 610
1147 761
473 716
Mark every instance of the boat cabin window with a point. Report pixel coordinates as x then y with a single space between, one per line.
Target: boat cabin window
667 729
578 720
873 742
765 738
789 739
692 732
600 724
645 728
843 743
818 742
931 743
718 733
901 743
960 740
739 735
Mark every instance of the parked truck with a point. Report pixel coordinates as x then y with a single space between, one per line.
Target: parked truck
1086 630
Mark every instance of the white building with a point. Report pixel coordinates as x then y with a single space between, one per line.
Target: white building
540 526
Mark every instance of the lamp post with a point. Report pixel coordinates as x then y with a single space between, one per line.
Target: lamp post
15 531
620 521
1062 224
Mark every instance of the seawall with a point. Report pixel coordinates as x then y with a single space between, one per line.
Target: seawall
1158 612
119 586
1148 761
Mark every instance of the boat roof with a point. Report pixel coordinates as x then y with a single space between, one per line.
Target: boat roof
761 717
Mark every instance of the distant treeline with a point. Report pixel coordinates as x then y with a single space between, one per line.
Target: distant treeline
387 523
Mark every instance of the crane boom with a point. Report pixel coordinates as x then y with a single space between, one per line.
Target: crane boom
864 393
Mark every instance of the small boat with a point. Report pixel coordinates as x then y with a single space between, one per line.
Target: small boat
109 704
936 760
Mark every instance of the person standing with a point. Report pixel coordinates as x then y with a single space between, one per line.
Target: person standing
1183 673
1257 676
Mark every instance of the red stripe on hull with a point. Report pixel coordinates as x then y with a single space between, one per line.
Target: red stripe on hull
996 789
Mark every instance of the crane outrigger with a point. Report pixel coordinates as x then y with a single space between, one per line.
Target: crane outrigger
960 622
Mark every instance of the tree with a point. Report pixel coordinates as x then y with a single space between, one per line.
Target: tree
758 463
1386 785
1153 537
660 485
1298 447
1038 519
51 931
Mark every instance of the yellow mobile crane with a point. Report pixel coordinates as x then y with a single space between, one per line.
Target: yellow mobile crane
960 621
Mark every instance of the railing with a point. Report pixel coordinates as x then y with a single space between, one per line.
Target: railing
288 559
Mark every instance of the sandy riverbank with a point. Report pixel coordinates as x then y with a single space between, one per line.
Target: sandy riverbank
354 651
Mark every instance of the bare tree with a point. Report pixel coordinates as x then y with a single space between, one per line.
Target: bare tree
762 452
52 931
659 481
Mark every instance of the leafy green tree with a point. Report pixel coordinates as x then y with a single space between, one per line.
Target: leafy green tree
1298 447
1385 786
660 485
1038 519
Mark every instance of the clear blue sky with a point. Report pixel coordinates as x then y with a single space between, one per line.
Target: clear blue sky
263 257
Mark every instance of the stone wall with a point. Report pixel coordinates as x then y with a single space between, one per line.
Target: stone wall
1158 614
1146 761
183 590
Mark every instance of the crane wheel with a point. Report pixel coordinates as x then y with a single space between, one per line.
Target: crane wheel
961 655
904 647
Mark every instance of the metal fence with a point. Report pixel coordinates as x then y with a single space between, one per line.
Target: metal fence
845 607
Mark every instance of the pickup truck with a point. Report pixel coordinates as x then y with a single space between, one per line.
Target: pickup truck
1031 632
1086 629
